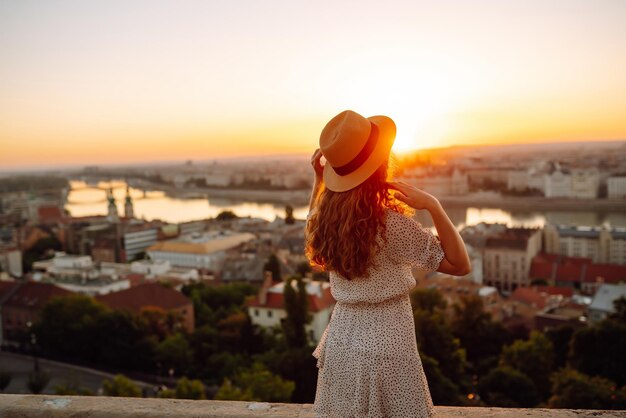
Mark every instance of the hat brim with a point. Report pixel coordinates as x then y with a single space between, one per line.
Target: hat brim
386 137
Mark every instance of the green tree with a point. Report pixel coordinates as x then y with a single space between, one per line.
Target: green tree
72 386
296 365
67 327
303 268
620 310
185 389
428 299
560 337
442 390
533 357
5 380
37 381
479 334
575 390
174 353
289 219
435 339
296 305
226 215
256 384
599 350
120 385
273 265
507 387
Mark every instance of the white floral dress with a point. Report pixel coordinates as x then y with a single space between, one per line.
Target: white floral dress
367 357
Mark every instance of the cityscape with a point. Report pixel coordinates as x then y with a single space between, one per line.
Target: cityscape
545 227
170 173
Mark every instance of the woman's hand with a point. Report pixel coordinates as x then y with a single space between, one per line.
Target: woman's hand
412 196
318 168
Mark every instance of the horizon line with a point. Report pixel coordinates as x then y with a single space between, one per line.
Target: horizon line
82 166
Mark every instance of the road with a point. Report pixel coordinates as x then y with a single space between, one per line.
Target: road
20 366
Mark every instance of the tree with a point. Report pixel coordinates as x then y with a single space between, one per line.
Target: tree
226 215
273 265
507 387
174 353
620 310
533 357
599 350
428 299
121 386
442 390
575 390
560 337
37 381
296 365
66 327
5 380
185 389
435 339
72 387
479 334
303 268
289 219
296 305
256 384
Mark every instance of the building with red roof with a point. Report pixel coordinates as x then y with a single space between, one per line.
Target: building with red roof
152 295
21 302
267 308
579 273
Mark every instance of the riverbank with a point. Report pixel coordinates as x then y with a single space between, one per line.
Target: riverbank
534 203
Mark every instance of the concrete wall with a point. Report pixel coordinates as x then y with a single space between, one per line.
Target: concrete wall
18 406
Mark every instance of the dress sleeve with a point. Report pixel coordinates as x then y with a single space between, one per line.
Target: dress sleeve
413 244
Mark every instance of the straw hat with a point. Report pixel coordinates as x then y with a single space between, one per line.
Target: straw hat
354 148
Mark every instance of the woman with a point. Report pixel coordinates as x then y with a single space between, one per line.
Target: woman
359 231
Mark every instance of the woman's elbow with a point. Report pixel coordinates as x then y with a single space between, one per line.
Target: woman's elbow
464 270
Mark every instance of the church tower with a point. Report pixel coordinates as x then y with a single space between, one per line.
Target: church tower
129 211
112 215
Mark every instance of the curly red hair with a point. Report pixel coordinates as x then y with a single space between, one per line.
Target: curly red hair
341 233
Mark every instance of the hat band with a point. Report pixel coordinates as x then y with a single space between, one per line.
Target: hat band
362 156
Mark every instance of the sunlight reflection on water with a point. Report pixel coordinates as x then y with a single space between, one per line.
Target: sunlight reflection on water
87 199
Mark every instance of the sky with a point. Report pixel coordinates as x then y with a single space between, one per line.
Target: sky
86 82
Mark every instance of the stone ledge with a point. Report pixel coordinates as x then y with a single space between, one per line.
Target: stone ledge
18 406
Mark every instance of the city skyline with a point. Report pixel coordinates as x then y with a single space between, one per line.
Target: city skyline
117 83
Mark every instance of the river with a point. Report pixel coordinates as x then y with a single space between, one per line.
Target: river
90 199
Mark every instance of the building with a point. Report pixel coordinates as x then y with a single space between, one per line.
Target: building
579 273
602 303
600 244
137 239
616 187
202 251
558 183
452 183
267 308
584 183
153 295
20 304
10 260
453 289
78 274
112 215
163 269
129 210
507 258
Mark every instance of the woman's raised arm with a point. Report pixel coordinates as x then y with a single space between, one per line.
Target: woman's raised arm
456 260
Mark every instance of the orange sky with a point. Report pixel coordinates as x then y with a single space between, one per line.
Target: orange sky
149 80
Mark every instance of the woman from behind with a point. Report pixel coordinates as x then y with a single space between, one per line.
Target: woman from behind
360 229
